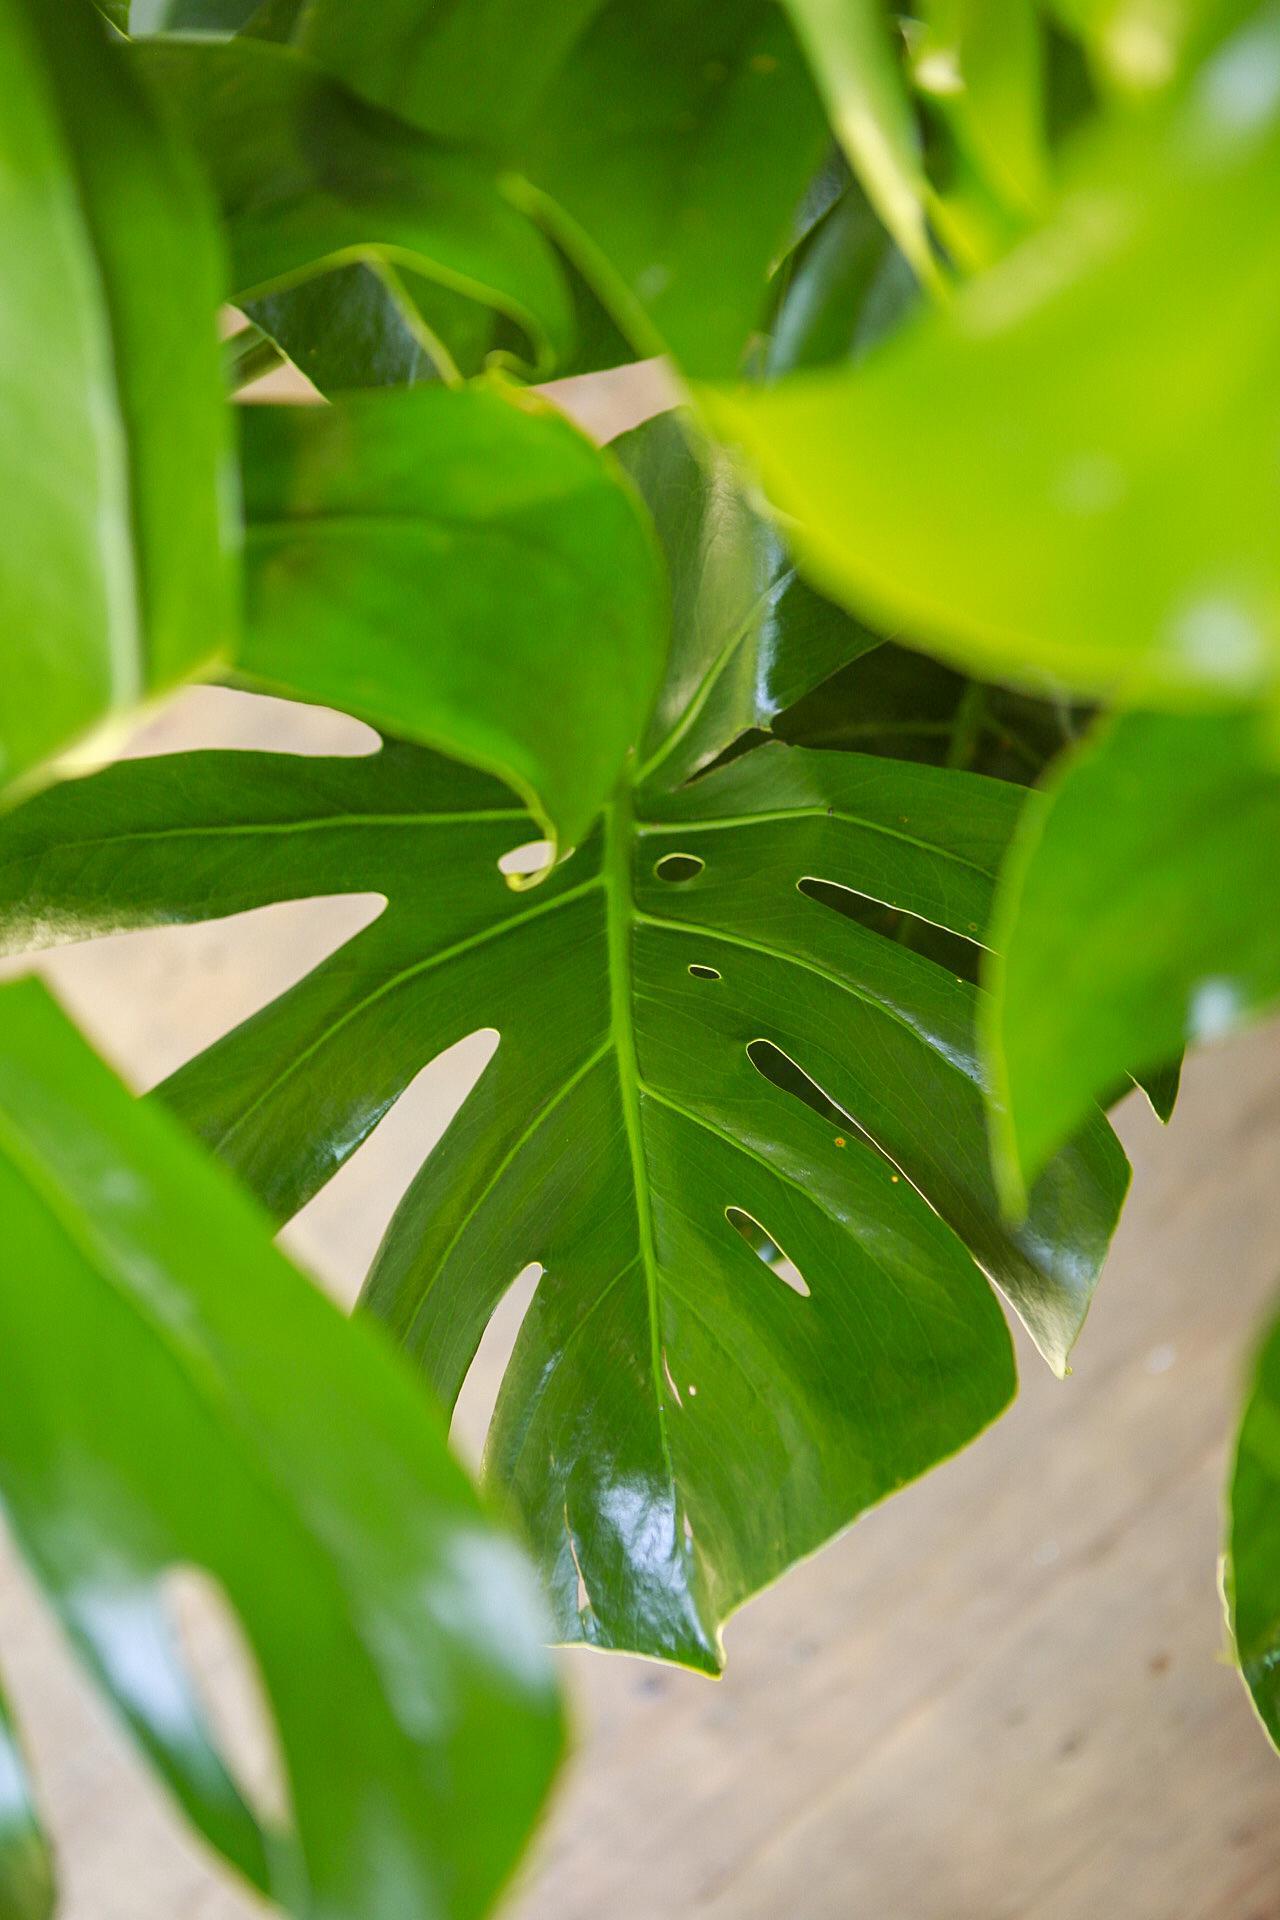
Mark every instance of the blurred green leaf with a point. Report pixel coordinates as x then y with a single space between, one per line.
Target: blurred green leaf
980 62
861 80
1137 47
692 1027
1136 914
309 176
1070 475
466 69
435 561
177 1395
1251 1569
114 474
26 1866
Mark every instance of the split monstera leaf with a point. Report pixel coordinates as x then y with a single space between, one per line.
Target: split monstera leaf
737 1124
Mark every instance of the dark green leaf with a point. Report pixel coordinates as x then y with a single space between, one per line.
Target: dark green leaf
1161 1085
309 176
845 289
26 1868
1251 1582
113 447
362 326
434 561
1137 914
693 1045
176 1395
1070 473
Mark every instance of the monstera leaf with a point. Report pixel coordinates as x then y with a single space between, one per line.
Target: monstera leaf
178 1397
741 1131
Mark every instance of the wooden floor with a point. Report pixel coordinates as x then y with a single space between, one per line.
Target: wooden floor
1000 1696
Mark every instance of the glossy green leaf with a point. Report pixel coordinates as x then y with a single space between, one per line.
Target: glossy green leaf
309 176
703 1055
177 1396
366 325
435 561
1251 1571
113 457
867 99
26 1867
1070 474
1136 916
845 289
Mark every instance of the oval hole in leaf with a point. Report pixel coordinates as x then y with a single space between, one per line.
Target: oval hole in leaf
679 868
704 973
227 1678
782 1071
534 856
224 718
767 1249
958 953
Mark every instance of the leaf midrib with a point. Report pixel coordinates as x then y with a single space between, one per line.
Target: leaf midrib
619 924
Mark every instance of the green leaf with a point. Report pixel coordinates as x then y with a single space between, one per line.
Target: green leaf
1251 1570
308 176
1134 918
26 1868
867 99
637 157
702 1055
845 289
466 69
1069 475
434 560
981 62
114 475
143 1427
628 131
368 326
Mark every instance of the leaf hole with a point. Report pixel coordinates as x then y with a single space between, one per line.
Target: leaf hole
767 1250
533 856
781 1071
678 869
225 1673
956 952
583 1593
474 1407
704 973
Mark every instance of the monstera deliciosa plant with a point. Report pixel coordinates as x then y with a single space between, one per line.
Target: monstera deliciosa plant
834 793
